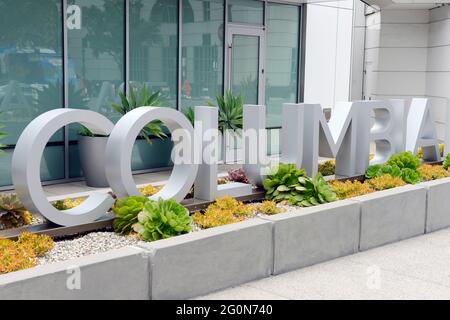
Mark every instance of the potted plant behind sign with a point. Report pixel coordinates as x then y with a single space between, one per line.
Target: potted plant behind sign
91 159
230 119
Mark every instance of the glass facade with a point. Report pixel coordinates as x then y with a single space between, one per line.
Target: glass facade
281 59
104 45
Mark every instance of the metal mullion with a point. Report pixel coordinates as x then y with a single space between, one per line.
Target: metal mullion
65 88
180 53
127 45
301 55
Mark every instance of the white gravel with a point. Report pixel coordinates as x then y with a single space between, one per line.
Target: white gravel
91 243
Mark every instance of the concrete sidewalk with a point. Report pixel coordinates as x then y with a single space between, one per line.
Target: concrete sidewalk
417 268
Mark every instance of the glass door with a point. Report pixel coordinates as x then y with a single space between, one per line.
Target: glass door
245 62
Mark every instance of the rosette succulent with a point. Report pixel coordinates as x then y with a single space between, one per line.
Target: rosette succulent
12 212
377 170
162 219
411 176
281 183
126 211
404 160
312 191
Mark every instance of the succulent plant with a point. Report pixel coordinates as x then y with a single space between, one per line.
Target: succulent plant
126 211
377 170
411 176
225 210
446 162
349 189
269 207
237 175
312 191
429 172
230 111
21 254
385 182
327 168
67 203
162 219
149 190
404 160
281 183
12 212
40 244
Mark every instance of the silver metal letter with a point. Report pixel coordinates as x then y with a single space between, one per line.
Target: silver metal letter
26 163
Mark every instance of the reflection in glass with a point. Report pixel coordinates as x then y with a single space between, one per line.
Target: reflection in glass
281 59
202 52
154 46
30 71
244 67
246 11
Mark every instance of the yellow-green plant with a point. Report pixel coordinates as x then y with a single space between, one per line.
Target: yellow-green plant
67 203
162 219
327 168
40 244
446 162
282 181
429 172
126 212
21 254
223 211
385 182
149 190
269 207
349 189
12 212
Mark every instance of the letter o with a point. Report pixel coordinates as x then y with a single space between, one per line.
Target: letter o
26 163
120 145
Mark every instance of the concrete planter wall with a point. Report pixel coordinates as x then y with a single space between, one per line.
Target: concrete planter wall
201 262
438 204
392 215
311 235
116 274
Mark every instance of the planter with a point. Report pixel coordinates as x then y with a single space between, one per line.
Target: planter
391 215
116 274
312 235
438 204
201 262
92 160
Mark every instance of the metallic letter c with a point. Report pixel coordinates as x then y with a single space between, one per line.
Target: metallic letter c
26 162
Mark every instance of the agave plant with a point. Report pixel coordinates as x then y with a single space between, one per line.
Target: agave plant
190 114
12 212
142 99
230 111
2 136
162 219
126 211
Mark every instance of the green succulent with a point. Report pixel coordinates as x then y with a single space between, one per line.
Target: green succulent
377 170
446 162
404 160
312 191
410 176
162 219
126 211
281 182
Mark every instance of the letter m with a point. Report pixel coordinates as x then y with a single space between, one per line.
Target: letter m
345 137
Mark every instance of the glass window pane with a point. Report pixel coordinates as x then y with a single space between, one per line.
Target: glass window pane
30 70
246 11
281 59
202 58
245 67
96 62
154 46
